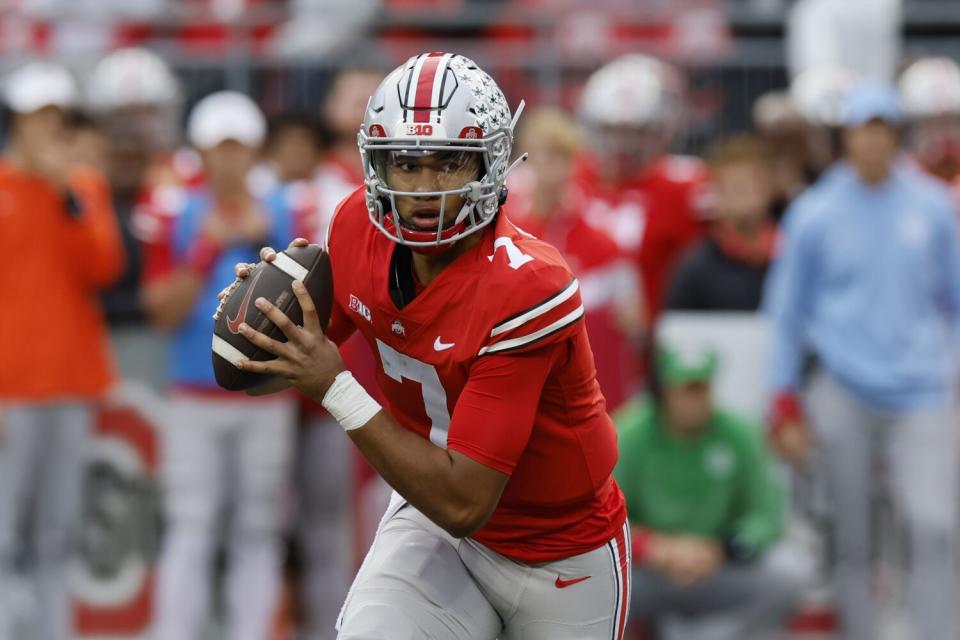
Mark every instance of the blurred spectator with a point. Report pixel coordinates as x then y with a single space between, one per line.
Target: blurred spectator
293 148
136 101
705 508
726 271
61 246
219 446
930 89
88 143
544 201
784 131
868 279
330 472
290 159
650 202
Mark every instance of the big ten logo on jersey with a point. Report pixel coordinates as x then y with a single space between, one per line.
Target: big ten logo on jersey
360 308
515 257
398 328
120 534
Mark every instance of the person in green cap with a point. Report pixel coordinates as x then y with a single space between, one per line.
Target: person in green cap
703 504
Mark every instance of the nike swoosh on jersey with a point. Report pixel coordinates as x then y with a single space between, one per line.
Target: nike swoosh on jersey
563 584
442 346
233 324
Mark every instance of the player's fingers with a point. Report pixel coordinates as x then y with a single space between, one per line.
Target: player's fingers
311 321
298 242
269 367
242 269
277 317
275 347
268 254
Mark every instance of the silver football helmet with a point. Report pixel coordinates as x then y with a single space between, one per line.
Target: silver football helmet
442 105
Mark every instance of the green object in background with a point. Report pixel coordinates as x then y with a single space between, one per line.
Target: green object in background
718 485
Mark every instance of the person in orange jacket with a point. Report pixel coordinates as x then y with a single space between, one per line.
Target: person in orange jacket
58 233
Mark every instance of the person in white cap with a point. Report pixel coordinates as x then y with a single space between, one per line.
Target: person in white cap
216 449
58 233
136 101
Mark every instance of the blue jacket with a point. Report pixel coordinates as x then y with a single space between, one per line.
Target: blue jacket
190 359
868 278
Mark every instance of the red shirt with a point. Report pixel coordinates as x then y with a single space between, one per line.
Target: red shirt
492 360
609 285
654 216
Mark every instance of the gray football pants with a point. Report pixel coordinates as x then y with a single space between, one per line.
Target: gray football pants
920 455
42 455
420 583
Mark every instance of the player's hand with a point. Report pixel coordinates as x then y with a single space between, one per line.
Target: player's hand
308 360
793 443
267 254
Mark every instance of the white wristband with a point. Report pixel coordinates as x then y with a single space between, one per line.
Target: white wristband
349 403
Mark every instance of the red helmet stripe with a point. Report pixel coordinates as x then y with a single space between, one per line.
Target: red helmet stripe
425 81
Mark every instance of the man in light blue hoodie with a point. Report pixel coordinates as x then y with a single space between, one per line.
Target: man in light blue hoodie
868 282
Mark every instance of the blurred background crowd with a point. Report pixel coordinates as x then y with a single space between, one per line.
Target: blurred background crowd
759 198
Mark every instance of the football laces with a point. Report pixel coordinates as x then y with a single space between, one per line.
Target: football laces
226 296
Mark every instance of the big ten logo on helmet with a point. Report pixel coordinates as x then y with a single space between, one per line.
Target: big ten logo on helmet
120 535
419 129
360 308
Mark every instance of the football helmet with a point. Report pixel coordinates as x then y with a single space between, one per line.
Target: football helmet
132 77
438 105
633 109
632 91
931 87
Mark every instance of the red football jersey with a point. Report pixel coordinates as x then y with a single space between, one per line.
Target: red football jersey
654 216
506 301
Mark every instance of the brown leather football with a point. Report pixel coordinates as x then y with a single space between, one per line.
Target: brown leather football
273 281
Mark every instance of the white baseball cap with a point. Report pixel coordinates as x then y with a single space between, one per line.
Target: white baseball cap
40 84
226 115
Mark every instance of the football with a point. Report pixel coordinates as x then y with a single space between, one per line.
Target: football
270 280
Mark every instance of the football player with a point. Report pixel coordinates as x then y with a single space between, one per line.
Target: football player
930 90
652 202
505 521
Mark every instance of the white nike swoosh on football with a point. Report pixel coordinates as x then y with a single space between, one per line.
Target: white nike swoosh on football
442 346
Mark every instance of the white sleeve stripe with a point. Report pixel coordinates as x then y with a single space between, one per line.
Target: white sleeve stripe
539 310
227 351
513 343
290 267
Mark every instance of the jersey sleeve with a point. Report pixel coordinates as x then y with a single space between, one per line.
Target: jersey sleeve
494 415
543 307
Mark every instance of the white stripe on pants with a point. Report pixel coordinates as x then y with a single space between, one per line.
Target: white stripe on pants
920 453
42 455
